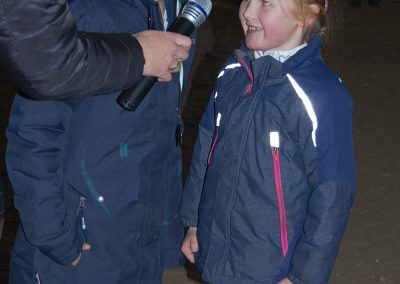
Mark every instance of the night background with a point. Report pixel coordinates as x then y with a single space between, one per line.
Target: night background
364 50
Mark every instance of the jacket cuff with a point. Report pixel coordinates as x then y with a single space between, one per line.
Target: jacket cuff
135 66
189 222
293 279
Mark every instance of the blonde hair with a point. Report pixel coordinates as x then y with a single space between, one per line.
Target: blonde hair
320 24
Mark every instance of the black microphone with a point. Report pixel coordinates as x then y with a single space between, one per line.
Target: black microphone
193 14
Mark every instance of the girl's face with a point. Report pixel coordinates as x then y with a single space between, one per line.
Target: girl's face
269 25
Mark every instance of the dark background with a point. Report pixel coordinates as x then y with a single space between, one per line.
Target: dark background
364 49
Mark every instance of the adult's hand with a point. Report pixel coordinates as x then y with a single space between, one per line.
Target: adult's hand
163 51
85 247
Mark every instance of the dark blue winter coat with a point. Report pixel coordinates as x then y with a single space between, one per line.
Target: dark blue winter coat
86 170
272 176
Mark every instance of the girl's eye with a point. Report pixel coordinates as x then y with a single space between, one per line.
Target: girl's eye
266 3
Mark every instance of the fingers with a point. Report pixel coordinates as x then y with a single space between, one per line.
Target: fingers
194 244
190 245
85 247
176 66
187 251
166 77
285 281
76 261
163 52
183 41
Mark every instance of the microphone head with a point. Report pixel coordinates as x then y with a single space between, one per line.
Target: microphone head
196 11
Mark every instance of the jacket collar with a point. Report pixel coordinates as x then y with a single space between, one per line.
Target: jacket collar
301 58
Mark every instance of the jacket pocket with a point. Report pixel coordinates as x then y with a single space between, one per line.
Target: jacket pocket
274 144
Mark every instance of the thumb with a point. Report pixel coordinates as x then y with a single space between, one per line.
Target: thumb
182 40
86 247
194 244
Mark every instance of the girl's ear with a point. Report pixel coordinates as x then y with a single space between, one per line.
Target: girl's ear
312 15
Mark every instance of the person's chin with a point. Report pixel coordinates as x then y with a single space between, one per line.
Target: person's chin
253 45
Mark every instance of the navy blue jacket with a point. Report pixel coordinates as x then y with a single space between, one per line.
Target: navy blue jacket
86 170
272 176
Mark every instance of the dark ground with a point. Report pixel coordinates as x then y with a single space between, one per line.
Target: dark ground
365 51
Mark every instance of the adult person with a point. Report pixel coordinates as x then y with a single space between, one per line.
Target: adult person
46 57
98 188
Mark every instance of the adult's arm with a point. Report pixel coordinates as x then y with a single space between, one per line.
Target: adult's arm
46 57
47 210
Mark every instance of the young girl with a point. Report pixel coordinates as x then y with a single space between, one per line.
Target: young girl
272 178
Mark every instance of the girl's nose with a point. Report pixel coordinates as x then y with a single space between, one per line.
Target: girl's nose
250 10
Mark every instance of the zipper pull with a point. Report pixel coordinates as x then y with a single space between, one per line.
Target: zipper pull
274 141
80 211
179 131
217 123
81 205
83 223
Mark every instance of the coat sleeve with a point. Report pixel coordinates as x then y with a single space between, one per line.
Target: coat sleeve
46 57
330 165
33 154
194 182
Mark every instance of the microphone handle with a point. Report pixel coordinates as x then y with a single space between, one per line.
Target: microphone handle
130 98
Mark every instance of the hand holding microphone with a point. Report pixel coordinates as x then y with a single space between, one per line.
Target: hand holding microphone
193 14
158 60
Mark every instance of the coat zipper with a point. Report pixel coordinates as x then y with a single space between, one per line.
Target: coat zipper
80 212
215 138
274 143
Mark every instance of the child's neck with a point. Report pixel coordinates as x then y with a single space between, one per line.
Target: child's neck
280 55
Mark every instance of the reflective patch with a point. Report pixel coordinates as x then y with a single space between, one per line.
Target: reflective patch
232 66
274 139
307 104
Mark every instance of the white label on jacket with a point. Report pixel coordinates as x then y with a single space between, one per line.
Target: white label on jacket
218 119
274 139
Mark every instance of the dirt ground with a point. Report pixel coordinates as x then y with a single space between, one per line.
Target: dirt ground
364 49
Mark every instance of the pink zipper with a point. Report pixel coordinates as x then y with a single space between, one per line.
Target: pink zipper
215 139
249 88
281 199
